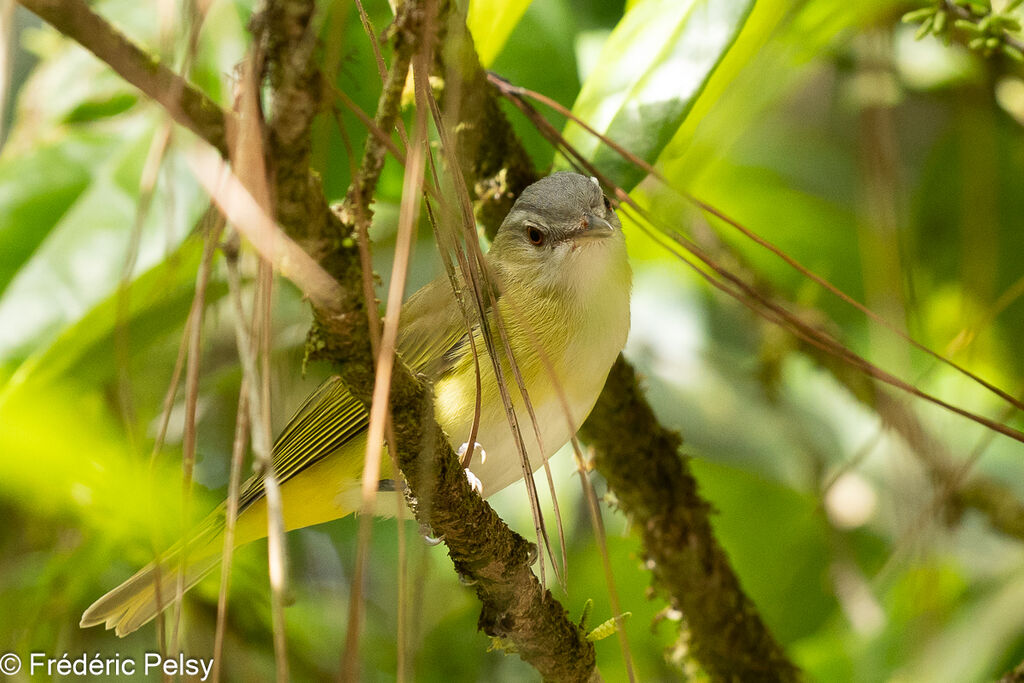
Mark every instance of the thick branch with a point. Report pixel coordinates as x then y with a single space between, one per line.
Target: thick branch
653 484
187 105
482 547
291 43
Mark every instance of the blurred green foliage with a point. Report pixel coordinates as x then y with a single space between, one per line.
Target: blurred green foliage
890 166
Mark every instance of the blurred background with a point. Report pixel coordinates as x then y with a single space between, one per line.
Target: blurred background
890 166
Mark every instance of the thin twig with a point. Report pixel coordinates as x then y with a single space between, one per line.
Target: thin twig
230 517
277 559
751 296
147 185
483 284
195 333
407 221
187 105
594 508
990 498
248 347
515 605
726 635
248 156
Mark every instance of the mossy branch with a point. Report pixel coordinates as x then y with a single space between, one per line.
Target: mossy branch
497 168
484 550
638 456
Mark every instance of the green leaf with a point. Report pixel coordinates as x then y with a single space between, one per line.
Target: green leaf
36 190
588 607
103 107
491 22
81 262
156 304
652 69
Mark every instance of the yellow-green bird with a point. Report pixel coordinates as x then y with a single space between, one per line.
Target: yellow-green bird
560 262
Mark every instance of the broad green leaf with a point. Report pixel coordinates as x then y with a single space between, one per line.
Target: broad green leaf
652 68
82 259
775 52
550 29
490 23
155 304
36 189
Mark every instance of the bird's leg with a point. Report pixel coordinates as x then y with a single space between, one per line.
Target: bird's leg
466 457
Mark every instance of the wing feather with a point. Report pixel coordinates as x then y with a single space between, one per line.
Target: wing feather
431 334
429 343
326 421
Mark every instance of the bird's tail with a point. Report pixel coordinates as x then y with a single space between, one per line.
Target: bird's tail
319 488
136 601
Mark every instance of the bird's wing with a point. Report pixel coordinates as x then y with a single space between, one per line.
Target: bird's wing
429 343
326 421
433 330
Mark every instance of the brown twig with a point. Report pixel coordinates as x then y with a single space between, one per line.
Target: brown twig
238 449
753 295
726 635
194 332
1003 510
187 105
515 605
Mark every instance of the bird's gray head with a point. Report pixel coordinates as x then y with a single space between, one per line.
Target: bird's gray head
562 233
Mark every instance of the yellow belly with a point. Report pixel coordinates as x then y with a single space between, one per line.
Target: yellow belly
328 490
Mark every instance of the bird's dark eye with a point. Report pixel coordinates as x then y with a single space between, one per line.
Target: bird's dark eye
607 202
535 236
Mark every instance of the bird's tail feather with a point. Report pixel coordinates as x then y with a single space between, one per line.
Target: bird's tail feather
136 601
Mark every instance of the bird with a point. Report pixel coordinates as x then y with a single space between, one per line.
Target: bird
563 279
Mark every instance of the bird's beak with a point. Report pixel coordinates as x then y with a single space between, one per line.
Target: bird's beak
594 227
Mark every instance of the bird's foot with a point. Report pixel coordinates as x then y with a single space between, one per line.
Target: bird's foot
534 554
425 532
474 482
466 456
